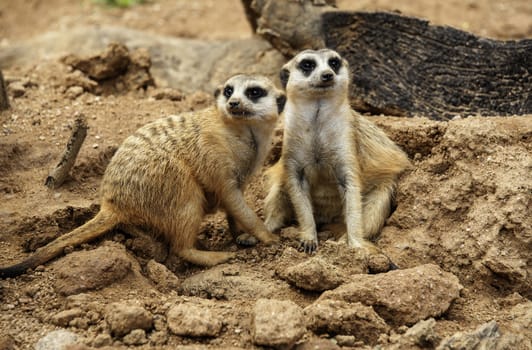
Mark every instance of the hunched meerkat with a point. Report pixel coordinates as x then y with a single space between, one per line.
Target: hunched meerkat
171 172
336 167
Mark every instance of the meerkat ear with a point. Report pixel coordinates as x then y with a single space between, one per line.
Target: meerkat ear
217 92
345 63
284 75
281 101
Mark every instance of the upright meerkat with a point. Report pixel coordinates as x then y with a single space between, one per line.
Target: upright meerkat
336 167
171 172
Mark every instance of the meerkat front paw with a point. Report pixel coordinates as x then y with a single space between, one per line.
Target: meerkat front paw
246 240
308 246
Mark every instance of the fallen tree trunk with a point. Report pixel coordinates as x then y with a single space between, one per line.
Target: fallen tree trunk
404 66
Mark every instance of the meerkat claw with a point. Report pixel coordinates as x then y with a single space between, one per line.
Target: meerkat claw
247 240
308 246
393 266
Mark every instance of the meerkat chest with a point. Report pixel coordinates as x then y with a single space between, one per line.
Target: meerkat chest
321 143
250 148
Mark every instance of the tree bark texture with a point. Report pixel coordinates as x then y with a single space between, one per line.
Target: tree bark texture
402 65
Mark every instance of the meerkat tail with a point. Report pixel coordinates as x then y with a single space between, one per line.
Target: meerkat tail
92 229
377 207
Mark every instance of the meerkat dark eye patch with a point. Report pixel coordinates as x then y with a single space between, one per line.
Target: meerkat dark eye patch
255 92
335 63
281 101
228 91
307 66
283 76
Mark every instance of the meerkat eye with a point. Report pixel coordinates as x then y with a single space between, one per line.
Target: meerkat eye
228 91
335 64
307 65
255 92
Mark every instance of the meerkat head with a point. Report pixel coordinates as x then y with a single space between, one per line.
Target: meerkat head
249 98
312 73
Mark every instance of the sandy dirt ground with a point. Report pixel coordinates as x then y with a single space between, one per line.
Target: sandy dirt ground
464 206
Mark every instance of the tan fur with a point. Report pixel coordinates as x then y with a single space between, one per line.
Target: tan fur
171 172
336 166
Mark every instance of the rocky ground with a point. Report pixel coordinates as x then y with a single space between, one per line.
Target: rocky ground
461 234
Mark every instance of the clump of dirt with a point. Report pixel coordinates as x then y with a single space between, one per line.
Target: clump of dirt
116 70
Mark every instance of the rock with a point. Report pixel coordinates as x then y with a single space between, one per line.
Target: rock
93 269
76 80
340 317
522 319
393 297
334 260
146 246
115 69
159 337
165 279
57 340
226 282
345 340
80 347
135 337
510 267
167 94
487 336
101 340
122 318
7 342
314 274
421 335
379 263
195 320
174 60
277 323
74 91
16 89
109 64
63 318
317 344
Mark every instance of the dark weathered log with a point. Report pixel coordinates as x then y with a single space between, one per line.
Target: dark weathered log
58 175
4 101
289 25
404 66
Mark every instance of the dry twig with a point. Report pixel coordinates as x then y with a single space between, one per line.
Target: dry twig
4 101
58 175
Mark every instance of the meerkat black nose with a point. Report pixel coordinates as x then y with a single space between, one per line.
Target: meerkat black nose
327 77
234 104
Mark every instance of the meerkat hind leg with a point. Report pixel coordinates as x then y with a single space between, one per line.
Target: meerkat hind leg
205 258
277 207
188 252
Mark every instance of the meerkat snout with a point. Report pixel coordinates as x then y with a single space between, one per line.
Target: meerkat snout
327 77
